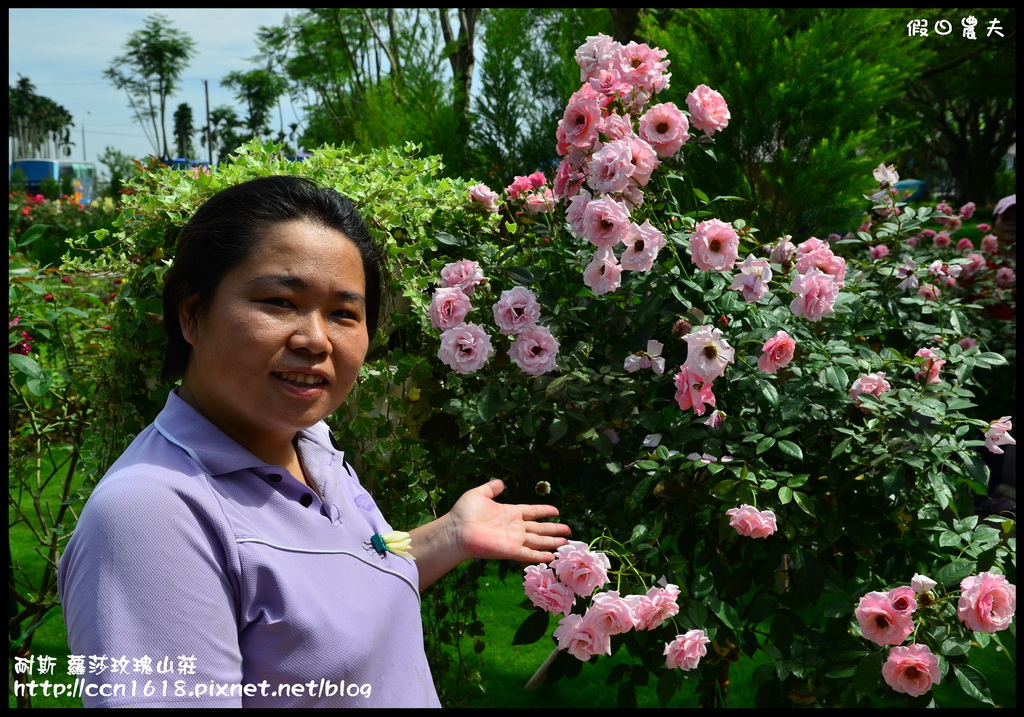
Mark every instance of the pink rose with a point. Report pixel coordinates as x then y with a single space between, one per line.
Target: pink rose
886 176
965 244
715 420
642 67
911 242
545 592
520 185
987 602
581 639
967 342
568 180
665 128
609 614
1005 277
821 256
465 274
708 110
465 348
912 669
652 609
990 244
537 180
488 199
752 281
707 353
686 650
929 292
604 273
693 391
879 251
903 600
574 213
998 434
967 211
921 583
783 250
944 208
534 350
983 227
580 121
595 54
605 222
516 310
816 294
933 364
580 568
777 352
651 358
941 240
540 202
645 160
714 245
448 307
609 168
871 383
880 622
642 246
977 262
751 522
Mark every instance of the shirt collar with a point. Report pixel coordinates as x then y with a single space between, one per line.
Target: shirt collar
210 447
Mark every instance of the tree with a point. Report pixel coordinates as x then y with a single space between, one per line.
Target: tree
38 126
149 71
223 131
807 90
963 104
259 91
183 131
120 166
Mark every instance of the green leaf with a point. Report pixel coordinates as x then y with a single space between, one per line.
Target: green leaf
764 444
521 275
770 393
841 446
533 628
489 403
639 533
785 494
727 614
26 365
868 675
791 449
446 238
559 427
951 574
973 683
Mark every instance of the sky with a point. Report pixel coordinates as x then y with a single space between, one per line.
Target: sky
64 52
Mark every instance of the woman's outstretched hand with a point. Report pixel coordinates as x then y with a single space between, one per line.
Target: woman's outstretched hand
479 527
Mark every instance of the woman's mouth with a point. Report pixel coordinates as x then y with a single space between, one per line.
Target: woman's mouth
302 379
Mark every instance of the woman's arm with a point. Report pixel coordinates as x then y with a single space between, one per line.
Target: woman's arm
479 527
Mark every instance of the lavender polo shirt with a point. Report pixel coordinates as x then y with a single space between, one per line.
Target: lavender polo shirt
199 576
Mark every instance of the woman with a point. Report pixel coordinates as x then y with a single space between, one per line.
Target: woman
228 557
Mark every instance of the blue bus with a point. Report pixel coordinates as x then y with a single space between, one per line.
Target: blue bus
35 171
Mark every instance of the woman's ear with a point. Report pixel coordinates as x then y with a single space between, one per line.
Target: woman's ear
187 319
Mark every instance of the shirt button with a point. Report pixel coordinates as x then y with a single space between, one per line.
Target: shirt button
274 477
306 500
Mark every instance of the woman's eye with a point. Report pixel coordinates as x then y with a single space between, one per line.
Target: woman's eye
276 302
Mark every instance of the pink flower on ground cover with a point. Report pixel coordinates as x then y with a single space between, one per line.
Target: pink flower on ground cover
777 352
465 348
752 279
708 110
665 128
941 240
534 350
448 307
546 592
880 622
652 609
965 244
871 383
604 273
465 274
483 195
707 353
912 669
516 310
751 522
693 391
998 434
580 568
816 294
580 639
932 365
967 211
714 245
990 244
642 246
987 602
686 650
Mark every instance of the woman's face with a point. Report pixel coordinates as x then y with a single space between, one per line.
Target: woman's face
280 345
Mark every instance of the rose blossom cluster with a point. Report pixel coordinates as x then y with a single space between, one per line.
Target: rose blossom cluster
873 384
751 522
987 603
533 193
577 571
707 355
611 140
465 347
820 276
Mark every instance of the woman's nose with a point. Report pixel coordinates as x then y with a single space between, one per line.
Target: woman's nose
310 334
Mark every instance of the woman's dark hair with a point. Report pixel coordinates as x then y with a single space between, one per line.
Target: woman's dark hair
225 230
